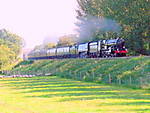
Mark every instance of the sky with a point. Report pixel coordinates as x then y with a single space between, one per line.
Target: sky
36 20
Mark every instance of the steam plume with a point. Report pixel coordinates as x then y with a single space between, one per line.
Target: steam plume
90 24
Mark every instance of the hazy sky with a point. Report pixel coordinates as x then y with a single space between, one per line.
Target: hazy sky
35 20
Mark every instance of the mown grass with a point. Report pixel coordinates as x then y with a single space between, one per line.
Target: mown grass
134 72
51 94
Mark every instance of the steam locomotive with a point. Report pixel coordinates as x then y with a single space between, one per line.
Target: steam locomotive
94 49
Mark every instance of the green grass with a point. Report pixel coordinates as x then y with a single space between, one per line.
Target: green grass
133 72
51 94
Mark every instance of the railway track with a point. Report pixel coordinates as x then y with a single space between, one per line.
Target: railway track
107 58
127 57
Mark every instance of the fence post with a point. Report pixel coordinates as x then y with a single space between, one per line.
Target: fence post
110 79
100 75
130 80
93 75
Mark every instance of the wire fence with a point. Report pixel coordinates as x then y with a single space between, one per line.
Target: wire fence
109 79
93 76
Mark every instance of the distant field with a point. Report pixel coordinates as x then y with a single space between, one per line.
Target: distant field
57 95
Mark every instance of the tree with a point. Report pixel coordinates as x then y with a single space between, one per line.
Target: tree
50 45
7 56
67 40
132 15
13 41
10 47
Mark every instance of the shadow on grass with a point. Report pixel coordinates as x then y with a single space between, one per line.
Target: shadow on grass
72 90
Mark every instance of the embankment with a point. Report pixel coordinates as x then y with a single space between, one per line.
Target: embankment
131 72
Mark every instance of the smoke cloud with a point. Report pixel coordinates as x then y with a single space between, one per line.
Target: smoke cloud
91 24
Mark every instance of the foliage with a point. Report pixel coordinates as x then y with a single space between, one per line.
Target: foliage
23 63
50 45
44 46
10 47
6 56
132 15
67 40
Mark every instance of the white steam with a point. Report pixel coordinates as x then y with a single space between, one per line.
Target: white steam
90 24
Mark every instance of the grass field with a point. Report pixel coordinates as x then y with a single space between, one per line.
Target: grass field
51 94
133 72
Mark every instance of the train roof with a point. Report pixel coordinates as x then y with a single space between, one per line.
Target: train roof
111 40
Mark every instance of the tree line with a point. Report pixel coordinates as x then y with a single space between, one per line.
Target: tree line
66 40
10 48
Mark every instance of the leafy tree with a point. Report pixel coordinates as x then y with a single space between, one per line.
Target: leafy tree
50 45
7 56
67 40
132 15
10 47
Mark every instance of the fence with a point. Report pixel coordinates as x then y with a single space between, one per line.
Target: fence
101 78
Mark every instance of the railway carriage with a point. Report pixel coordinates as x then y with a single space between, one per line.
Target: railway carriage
51 53
83 50
73 51
63 52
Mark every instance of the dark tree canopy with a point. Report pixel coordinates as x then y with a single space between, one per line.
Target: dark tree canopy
132 15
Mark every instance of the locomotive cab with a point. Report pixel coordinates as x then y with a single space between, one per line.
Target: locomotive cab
119 49
113 48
